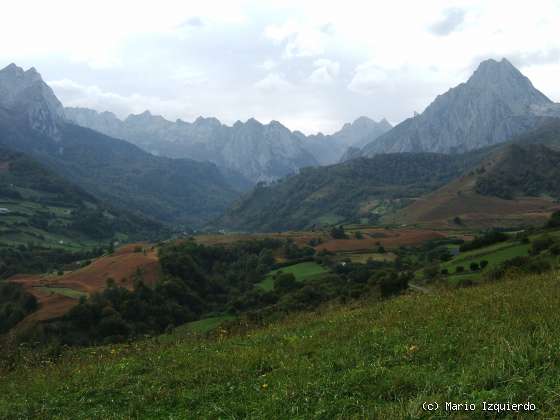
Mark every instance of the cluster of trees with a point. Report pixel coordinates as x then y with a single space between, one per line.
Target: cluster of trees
32 258
517 175
196 279
489 238
525 265
15 304
199 280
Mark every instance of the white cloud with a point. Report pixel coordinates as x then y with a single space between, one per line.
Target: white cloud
368 78
73 94
451 22
300 40
326 71
273 82
189 58
268 65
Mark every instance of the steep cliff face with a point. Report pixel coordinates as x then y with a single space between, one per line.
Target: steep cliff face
495 104
25 93
331 148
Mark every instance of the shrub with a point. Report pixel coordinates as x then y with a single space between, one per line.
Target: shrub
483 264
555 249
474 266
338 233
285 282
460 269
445 272
541 244
431 272
554 220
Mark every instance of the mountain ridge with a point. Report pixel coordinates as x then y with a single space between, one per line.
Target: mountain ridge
175 191
495 104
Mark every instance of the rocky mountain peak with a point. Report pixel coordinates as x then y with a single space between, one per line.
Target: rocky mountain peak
504 78
27 93
496 103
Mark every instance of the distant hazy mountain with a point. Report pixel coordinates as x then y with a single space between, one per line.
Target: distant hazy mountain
495 104
330 149
260 152
178 191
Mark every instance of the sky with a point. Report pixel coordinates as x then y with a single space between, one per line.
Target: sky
312 65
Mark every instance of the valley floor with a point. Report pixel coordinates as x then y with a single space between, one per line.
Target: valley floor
497 342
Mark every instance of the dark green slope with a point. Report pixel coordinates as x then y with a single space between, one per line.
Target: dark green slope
37 206
521 170
347 191
365 188
175 191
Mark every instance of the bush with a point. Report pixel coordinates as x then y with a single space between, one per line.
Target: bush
483 264
555 249
541 244
460 269
445 272
285 282
431 272
474 266
338 233
554 220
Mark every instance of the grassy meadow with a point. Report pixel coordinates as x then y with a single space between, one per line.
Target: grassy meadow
497 342
302 272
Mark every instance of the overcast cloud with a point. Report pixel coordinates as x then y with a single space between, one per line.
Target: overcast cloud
311 65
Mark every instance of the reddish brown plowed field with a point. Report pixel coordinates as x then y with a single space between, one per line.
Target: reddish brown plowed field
121 266
300 238
388 238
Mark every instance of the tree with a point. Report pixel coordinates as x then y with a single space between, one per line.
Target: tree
337 232
431 272
554 220
285 282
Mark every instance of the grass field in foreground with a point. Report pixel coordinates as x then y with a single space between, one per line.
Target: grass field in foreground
497 342
302 271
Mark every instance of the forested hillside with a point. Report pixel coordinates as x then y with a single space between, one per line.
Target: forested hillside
532 170
360 188
40 207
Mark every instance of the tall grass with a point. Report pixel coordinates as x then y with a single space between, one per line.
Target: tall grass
498 342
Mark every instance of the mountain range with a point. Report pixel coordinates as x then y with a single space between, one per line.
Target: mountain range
174 191
495 107
184 173
259 152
